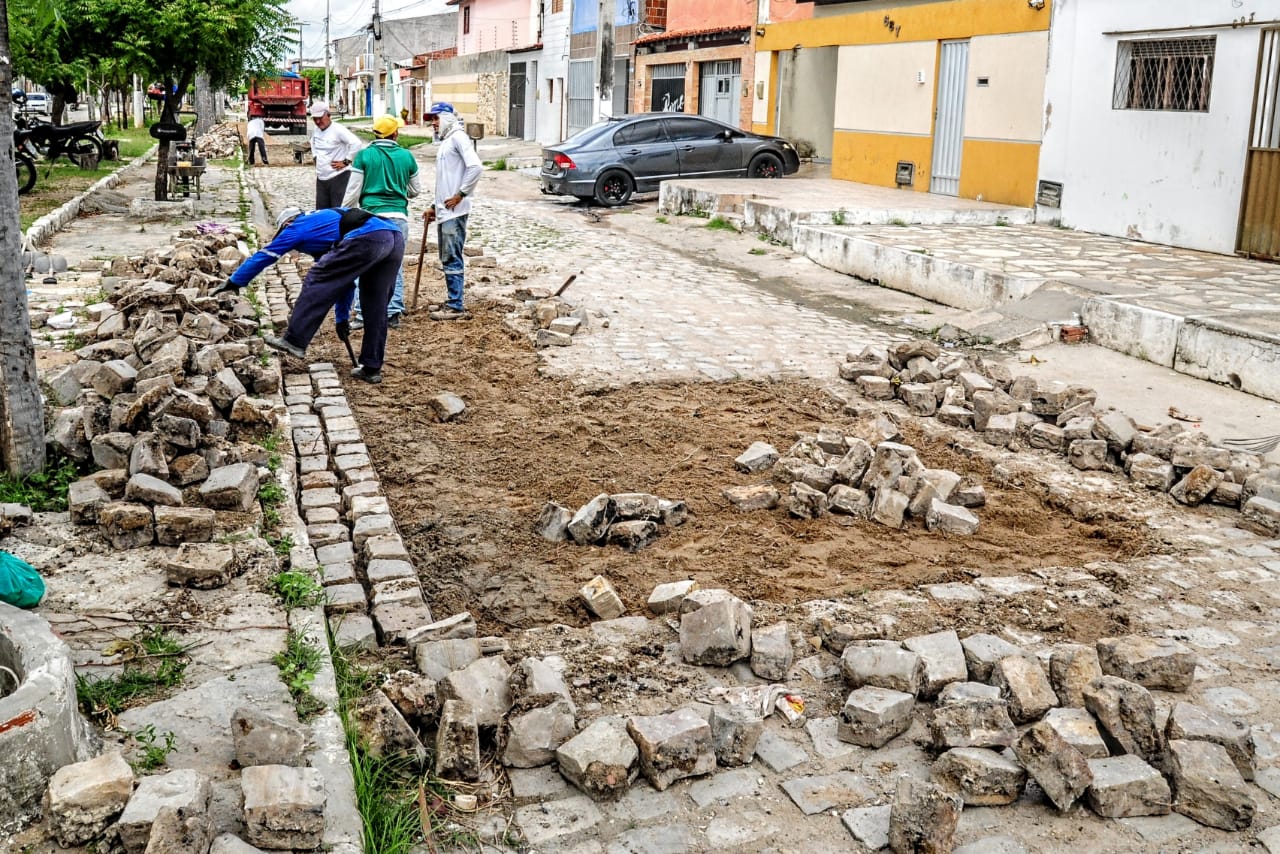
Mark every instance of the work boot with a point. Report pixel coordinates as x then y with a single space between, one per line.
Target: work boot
360 372
393 321
284 346
447 313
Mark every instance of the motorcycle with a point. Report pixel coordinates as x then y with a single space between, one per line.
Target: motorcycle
41 139
26 167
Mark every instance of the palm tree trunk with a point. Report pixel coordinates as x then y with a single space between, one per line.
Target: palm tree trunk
21 415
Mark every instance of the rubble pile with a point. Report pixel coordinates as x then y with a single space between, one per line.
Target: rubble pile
1081 721
1020 412
165 402
220 142
281 800
834 472
629 519
553 321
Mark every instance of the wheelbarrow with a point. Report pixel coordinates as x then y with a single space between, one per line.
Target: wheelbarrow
185 174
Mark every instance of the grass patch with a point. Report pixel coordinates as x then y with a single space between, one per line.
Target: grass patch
898 221
499 165
719 223
153 748
153 662
270 494
46 490
1003 222
299 663
838 217
661 219
298 589
757 251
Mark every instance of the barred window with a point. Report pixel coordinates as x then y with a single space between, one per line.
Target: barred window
1164 74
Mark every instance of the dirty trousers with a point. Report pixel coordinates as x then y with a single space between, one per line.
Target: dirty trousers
374 258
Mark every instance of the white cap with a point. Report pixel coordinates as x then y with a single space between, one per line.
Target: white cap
285 215
319 108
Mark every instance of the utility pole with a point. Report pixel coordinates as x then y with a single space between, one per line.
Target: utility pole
326 52
376 28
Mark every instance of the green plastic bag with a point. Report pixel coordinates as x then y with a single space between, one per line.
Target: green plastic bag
20 584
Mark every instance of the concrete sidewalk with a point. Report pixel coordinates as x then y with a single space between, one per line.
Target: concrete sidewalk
1214 317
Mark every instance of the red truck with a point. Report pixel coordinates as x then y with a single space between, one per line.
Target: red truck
281 102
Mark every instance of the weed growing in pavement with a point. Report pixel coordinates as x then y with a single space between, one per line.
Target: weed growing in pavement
72 342
299 662
297 589
719 223
393 796
500 165
661 219
153 661
838 217
43 490
1002 221
270 494
271 444
281 545
898 221
153 748
757 251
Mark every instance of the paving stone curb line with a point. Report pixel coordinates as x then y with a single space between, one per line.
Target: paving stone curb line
54 221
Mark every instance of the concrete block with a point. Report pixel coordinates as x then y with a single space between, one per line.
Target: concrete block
1125 786
458 742
715 628
1024 685
1207 787
1078 729
1192 723
1126 714
981 777
1059 769
871 717
881 664
924 816
672 746
602 760
1153 663
941 659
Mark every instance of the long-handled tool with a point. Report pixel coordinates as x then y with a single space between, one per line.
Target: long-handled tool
422 254
345 338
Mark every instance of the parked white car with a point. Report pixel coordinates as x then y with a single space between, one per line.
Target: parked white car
38 102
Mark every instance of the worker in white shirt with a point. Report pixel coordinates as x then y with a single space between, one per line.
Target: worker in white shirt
334 147
257 139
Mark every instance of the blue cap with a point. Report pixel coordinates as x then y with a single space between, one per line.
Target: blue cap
441 107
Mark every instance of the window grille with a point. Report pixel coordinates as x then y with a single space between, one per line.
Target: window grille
581 88
1164 74
670 71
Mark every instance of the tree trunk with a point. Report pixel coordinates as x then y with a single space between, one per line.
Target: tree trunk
206 106
162 170
21 416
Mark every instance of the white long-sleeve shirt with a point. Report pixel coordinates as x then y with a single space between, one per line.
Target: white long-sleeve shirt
333 143
257 128
458 169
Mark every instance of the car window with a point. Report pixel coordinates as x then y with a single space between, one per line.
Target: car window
587 136
685 129
639 133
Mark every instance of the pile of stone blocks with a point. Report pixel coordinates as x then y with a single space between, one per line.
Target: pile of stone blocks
631 520
168 401
554 321
220 142
1080 721
282 800
1022 412
875 477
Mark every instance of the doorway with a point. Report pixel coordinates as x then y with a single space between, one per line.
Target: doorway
718 95
515 108
1259 234
948 124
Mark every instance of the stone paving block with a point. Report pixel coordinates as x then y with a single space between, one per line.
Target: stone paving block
868 825
265 739
533 735
482 684
1126 716
758 457
354 631
396 619
1078 729
750 498
950 519
327 534
881 664
724 788
387 547
437 659
840 790
1059 769
344 599
551 825
1023 683
823 736
126 525
184 789
871 717
971 722
457 741
1196 724
982 651
942 660
1071 668
777 753
177 525
233 487
1153 663
602 760
336 553
283 807
923 817
229 843
536 784
1125 786
403 590
666 598
202 565
325 516
1207 787
715 628
672 746
980 776
771 653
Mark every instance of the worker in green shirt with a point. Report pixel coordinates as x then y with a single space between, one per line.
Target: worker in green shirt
384 177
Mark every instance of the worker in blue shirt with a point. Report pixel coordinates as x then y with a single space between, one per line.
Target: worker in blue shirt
348 244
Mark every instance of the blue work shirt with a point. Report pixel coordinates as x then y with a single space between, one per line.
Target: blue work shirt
315 234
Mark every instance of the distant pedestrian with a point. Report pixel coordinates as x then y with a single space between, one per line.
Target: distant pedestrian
348 243
384 177
334 148
258 139
458 171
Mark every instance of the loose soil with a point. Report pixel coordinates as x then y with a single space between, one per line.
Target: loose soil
466 494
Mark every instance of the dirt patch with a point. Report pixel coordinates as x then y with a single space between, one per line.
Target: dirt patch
465 494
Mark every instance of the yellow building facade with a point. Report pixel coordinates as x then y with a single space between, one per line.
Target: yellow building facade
944 97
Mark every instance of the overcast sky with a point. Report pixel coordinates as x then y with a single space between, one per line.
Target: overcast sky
349 16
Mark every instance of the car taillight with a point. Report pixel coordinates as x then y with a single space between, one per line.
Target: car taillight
563 161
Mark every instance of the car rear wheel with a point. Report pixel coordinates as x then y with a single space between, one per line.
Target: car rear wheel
766 165
614 188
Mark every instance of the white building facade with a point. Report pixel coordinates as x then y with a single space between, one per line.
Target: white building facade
1160 122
